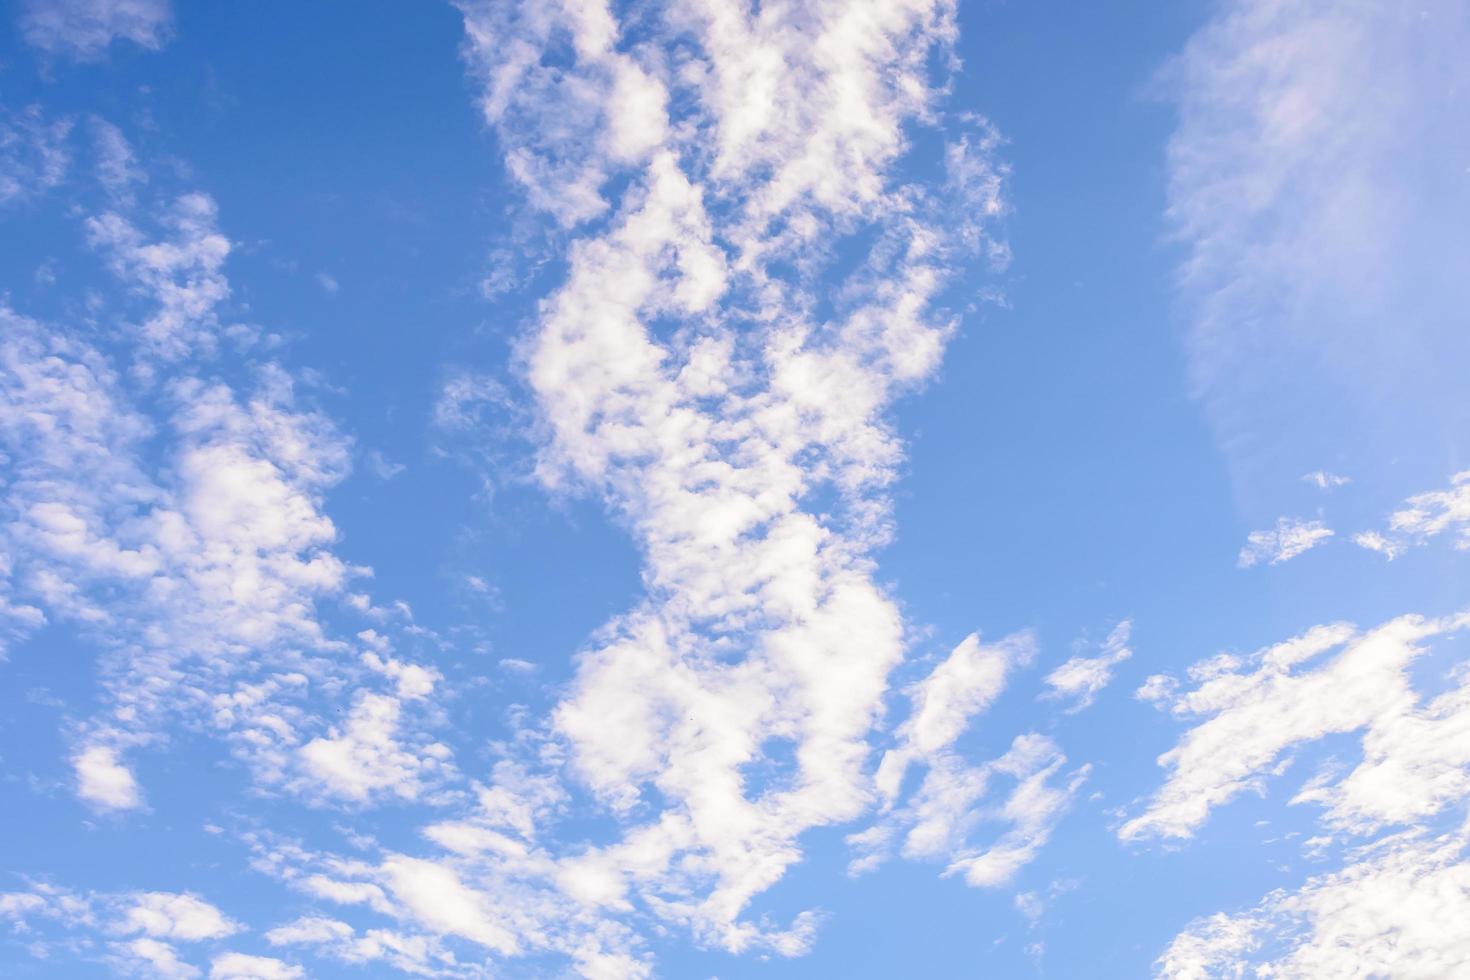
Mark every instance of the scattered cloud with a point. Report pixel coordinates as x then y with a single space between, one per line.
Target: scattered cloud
164 915
34 153
1289 538
1081 678
942 816
1429 514
1323 480
382 467
84 29
242 966
1401 909
1259 707
1385 546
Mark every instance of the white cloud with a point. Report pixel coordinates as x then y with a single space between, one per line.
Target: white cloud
364 756
748 450
1081 678
1292 693
161 959
1399 904
1323 480
311 929
141 929
1289 538
242 966
1437 511
33 154
193 549
165 915
103 780
1385 546
960 687
1403 910
418 954
84 29
329 283
763 636
940 818
183 274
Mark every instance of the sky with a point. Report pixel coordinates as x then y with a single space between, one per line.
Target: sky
712 489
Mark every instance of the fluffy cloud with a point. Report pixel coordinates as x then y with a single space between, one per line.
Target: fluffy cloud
365 757
180 524
1284 542
141 929
697 370
182 274
104 781
762 626
164 915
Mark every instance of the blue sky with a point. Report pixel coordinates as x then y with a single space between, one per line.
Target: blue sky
705 489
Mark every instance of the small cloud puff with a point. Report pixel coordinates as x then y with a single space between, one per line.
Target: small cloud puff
1289 538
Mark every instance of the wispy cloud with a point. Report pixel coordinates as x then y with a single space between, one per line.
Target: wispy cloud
1315 178
1289 538
943 817
84 29
34 153
1257 708
1323 480
1081 678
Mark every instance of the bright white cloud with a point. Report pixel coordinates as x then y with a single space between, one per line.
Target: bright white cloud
193 546
1402 910
365 756
164 915
1257 708
104 781
1289 538
763 626
84 29
1398 905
